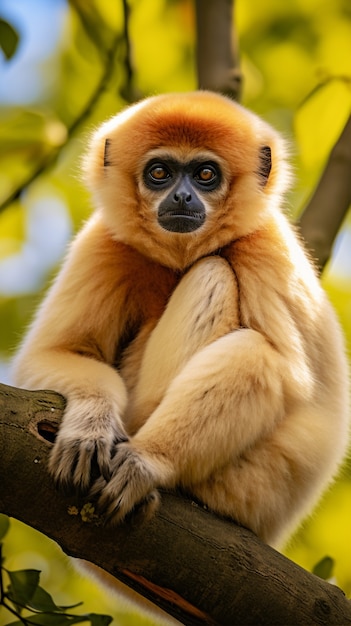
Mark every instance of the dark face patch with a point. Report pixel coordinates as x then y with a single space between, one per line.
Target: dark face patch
182 210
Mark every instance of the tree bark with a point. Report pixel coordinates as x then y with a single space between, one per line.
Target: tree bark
325 212
216 50
200 568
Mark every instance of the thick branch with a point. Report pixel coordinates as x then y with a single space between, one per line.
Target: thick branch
216 54
329 204
198 567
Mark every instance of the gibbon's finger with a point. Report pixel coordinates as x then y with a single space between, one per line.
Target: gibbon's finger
140 513
84 469
97 488
117 441
144 510
103 450
73 465
132 481
62 460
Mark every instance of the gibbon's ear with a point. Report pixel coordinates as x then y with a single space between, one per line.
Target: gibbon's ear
106 155
265 164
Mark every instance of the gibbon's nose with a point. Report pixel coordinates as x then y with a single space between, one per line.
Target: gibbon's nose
181 198
182 195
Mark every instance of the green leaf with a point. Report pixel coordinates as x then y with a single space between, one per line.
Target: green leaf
324 568
55 619
328 109
4 525
23 586
49 619
9 39
42 601
99 620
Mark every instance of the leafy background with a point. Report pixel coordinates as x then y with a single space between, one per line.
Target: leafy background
63 70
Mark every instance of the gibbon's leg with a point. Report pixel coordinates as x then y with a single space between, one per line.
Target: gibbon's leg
276 482
203 307
223 394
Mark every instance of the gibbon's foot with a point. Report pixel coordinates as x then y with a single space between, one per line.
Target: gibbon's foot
79 456
130 490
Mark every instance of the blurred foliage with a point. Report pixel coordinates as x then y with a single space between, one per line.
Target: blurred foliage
324 568
8 39
25 548
296 61
22 597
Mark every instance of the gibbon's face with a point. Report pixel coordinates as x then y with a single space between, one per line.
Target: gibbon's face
181 189
181 175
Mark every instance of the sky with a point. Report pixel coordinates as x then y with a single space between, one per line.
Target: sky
38 23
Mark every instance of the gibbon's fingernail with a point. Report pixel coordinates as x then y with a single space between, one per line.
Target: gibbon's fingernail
111 519
96 489
107 517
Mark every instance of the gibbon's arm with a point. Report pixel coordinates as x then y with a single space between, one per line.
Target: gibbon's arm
71 347
225 398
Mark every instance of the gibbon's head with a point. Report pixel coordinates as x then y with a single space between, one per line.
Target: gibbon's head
179 176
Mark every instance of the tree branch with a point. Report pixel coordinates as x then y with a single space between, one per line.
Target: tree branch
198 567
128 90
216 53
50 159
329 204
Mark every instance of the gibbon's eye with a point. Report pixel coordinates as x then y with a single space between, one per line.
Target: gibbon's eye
158 173
207 175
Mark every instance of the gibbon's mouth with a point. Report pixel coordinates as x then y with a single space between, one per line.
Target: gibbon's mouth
178 221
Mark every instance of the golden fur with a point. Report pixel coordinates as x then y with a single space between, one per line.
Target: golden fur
208 360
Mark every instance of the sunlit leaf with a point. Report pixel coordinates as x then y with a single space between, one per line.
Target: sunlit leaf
12 229
98 30
49 619
56 619
42 601
99 620
4 525
23 585
320 120
20 127
9 39
324 568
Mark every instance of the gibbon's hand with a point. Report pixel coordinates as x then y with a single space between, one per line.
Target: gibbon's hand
84 447
131 488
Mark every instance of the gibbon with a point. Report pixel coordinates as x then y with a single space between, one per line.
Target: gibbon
187 327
